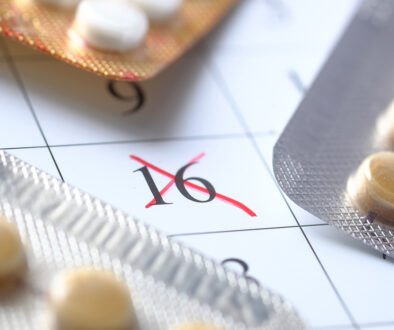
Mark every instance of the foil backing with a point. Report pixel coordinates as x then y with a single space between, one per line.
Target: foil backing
336 126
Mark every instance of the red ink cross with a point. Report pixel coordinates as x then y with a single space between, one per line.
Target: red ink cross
189 184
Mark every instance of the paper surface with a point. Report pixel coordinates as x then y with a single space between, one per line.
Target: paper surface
223 105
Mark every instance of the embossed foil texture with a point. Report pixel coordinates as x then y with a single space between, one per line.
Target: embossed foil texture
63 227
335 126
47 29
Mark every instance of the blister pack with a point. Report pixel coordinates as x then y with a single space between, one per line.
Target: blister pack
347 117
51 29
63 228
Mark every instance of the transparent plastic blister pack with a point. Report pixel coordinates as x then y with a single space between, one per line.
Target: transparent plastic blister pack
64 228
339 124
50 29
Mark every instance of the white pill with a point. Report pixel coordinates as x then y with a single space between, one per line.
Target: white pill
111 25
159 10
62 3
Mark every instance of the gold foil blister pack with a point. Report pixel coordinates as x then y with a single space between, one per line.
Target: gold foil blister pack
335 158
72 241
49 29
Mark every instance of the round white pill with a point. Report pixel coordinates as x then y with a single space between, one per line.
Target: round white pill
159 10
111 25
62 3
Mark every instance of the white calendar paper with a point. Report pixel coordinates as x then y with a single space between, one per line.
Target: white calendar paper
213 116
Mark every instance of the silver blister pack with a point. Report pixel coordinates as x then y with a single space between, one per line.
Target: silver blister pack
337 125
63 227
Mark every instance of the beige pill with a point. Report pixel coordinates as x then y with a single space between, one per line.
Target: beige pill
385 128
372 187
197 326
88 299
12 256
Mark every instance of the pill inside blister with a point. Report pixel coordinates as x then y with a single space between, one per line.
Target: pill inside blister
111 25
89 299
385 128
159 10
12 257
372 187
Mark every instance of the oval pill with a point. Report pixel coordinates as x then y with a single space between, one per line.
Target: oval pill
89 299
12 255
159 10
372 187
110 25
385 128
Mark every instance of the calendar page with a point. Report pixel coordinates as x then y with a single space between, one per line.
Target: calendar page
190 151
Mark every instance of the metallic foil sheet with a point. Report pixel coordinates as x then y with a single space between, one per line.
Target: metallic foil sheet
63 227
336 126
47 29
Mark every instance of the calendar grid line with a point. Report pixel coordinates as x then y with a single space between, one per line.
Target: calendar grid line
161 139
296 81
22 88
334 327
377 324
21 148
249 229
220 81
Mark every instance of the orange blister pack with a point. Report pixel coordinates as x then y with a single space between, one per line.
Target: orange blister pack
48 29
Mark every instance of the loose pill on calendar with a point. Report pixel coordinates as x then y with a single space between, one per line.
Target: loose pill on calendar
128 40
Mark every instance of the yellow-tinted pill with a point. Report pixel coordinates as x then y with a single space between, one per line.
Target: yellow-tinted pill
385 128
197 326
12 256
89 299
372 187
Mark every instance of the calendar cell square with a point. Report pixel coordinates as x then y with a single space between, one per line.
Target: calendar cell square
78 107
245 194
268 106
18 127
362 276
281 260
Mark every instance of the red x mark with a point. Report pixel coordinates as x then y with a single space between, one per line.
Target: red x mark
189 184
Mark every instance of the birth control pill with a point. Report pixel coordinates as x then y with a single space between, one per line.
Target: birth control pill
159 10
12 256
197 326
110 25
89 299
372 187
385 128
